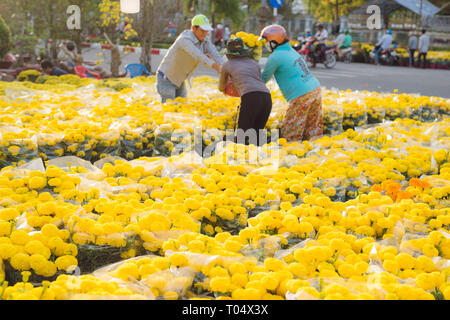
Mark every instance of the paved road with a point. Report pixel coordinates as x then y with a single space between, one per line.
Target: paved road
355 76
361 76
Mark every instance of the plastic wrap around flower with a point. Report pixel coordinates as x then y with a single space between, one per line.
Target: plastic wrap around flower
106 195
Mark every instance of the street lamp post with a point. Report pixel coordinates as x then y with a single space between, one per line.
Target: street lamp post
421 13
275 4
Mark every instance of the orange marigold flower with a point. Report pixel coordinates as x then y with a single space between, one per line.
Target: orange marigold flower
393 187
404 195
385 184
416 182
425 184
376 188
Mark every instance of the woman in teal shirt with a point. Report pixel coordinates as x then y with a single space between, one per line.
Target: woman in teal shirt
347 40
303 119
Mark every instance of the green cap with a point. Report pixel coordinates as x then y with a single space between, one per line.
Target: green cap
236 47
201 21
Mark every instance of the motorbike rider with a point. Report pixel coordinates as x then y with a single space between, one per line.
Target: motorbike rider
347 42
339 42
308 39
393 51
384 44
301 38
339 39
321 36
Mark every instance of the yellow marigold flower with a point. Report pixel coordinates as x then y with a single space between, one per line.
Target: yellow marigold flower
405 261
232 245
192 204
196 246
391 266
37 262
126 270
5 228
9 214
273 264
37 183
430 251
447 293
64 262
346 270
220 284
270 282
7 251
161 263
424 282
35 247
178 260
19 237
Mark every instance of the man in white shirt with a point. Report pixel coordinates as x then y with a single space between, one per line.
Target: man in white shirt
424 44
384 44
339 41
321 36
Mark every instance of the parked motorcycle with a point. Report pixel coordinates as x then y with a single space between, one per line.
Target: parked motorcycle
347 54
307 50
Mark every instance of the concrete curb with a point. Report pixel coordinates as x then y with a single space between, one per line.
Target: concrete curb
155 51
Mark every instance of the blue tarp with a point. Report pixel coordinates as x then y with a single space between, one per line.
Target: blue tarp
428 9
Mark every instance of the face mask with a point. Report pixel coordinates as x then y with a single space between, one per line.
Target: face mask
268 47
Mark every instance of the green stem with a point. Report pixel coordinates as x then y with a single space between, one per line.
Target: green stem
4 286
43 291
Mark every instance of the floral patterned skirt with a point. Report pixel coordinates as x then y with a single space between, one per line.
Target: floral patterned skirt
303 119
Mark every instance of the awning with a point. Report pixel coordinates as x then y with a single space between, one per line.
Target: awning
428 9
388 6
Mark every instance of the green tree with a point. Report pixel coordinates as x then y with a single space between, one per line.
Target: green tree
89 19
30 19
219 9
5 38
332 10
46 19
110 19
13 18
49 20
145 26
